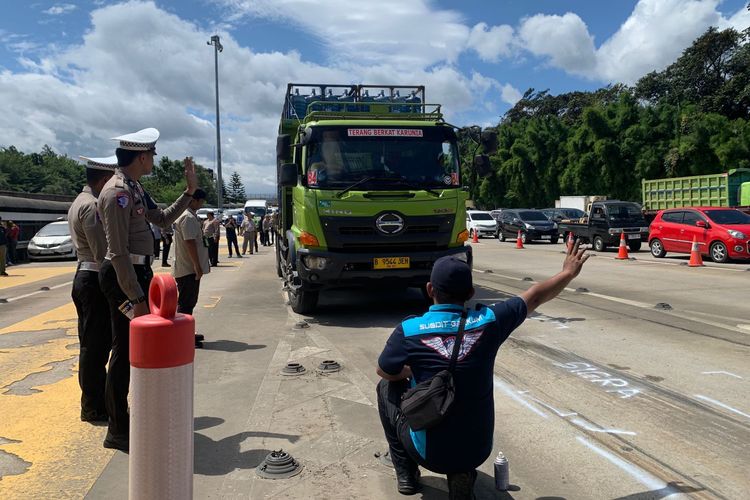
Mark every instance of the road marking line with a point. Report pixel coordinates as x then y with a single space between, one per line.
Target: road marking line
499 384
643 477
722 373
216 302
722 405
31 294
583 424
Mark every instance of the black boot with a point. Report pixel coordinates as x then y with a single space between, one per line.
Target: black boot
461 485
407 481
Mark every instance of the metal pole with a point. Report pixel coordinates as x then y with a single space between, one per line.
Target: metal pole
217 48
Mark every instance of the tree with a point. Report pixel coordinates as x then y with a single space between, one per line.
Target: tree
236 191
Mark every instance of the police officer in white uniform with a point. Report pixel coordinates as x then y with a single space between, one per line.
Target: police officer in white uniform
94 325
126 209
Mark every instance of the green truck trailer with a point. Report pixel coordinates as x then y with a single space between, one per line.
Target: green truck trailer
369 188
730 189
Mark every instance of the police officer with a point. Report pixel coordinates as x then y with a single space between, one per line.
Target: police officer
126 209
94 327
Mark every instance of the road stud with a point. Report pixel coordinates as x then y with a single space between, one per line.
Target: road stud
696 259
622 253
161 414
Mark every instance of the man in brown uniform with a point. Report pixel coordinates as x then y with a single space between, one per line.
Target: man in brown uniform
125 276
94 324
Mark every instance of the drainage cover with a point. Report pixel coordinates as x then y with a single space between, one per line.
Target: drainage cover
329 366
44 289
3 301
384 458
582 289
528 279
293 369
664 306
278 465
488 271
301 324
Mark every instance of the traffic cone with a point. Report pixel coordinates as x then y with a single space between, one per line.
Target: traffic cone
571 242
475 238
622 254
696 259
519 242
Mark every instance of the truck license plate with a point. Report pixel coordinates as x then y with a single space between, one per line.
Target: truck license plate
390 263
634 236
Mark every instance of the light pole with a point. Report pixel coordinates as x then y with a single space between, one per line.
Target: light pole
217 48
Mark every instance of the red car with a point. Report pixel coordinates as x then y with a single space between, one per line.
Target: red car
722 233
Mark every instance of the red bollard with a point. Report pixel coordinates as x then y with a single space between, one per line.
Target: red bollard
162 349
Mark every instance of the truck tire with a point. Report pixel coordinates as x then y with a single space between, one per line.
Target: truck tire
719 252
303 301
657 248
599 245
634 246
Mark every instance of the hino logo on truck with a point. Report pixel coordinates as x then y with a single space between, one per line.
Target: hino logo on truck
390 223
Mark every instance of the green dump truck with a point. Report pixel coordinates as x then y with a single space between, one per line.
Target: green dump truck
369 189
730 189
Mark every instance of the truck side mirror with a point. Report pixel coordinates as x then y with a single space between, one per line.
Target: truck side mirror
488 140
482 165
288 175
283 147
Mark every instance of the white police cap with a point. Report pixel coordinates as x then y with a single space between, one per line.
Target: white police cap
143 140
108 163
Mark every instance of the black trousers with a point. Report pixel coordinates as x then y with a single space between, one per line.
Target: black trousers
213 251
95 337
233 241
118 375
157 247
187 293
403 454
166 243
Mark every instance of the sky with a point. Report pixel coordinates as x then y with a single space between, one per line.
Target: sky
75 73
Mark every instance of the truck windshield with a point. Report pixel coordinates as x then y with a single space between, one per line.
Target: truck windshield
728 216
620 211
391 157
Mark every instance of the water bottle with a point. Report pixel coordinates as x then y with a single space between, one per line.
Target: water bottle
501 472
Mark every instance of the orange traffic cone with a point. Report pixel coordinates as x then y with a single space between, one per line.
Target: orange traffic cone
571 242
622 254
696 259
475 238
519 242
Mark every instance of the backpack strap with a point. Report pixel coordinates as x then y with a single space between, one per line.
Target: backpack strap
457 343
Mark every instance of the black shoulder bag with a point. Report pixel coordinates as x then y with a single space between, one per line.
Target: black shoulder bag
426 404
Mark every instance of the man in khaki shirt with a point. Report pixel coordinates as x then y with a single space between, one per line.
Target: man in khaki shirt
191 259
94 322
126 209
211 231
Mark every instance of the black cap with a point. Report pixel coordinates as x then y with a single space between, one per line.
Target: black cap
199 194
451 275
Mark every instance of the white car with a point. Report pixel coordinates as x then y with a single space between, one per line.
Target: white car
202 212
52 241
481 223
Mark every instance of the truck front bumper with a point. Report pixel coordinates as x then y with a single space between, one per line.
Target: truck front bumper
357 269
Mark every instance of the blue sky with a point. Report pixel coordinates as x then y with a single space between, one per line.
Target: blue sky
74 73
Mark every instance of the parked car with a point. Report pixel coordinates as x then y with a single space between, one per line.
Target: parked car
52 241
237 213
481 223
533 224
202 213
496 213
722 233
558 214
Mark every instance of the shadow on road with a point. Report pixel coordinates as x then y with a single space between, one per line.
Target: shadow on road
231 346
220 457
671 488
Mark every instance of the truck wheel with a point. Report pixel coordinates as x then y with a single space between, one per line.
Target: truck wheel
599 245
303 301
634 246
657 248
719 252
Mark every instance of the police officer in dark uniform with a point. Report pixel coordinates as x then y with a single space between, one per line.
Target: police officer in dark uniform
126 209
94 324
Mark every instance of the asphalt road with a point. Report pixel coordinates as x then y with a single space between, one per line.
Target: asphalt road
601 394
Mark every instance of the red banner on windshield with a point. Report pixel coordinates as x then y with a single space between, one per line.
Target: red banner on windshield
384 132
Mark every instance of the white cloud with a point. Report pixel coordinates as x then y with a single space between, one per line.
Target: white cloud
565 40
491 44
59 9
509 94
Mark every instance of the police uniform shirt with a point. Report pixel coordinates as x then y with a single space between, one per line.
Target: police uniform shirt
86 228
188 227
126 209
463 440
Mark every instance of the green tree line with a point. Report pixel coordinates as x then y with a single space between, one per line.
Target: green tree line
691 118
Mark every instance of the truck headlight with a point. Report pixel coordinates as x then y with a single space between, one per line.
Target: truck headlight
736 234
315 263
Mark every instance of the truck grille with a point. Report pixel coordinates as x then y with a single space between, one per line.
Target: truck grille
359 234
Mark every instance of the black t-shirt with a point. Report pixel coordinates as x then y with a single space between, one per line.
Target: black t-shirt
462 441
